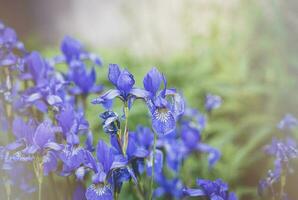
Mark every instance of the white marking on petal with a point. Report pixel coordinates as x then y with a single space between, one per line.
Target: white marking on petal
162 114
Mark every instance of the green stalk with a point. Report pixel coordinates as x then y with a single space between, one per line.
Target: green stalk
38 169
125 139
52 181
153 165
8 190
283 180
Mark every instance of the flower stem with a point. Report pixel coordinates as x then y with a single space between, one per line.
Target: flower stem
153 165
8 190
39 189
125 137
283 180
53 184
38 169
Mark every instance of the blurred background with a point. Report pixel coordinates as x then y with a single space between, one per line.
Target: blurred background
245 51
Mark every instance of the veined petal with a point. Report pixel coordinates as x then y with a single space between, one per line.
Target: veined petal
163 121
99 192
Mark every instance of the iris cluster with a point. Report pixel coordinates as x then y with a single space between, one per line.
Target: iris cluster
46 134
284 150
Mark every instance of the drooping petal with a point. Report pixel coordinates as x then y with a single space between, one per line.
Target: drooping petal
99 192
163 121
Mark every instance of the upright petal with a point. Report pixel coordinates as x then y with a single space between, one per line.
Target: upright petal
152 81
104 155
125 81
44 133
114 73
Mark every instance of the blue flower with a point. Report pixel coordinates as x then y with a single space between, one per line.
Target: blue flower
9 43
36 140
165 106
38 69
73 157
214 190
212 102
72 123
85 82
283 150
111 122
168 187
288 122
74 51
104 167
124 81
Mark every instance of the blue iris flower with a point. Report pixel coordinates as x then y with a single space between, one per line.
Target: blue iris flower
50 94
165 106
288 122
74 51
284 151
37 69
111 122
85 82
109 172
124 81
168 187
37 140
212 102
72 123
214 190
9 42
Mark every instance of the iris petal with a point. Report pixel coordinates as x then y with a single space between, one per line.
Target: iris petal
163 121
99 192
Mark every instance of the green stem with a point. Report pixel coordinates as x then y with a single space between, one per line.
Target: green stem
283 182
38 169
8 190
153 165
52 181
39 189
125 137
